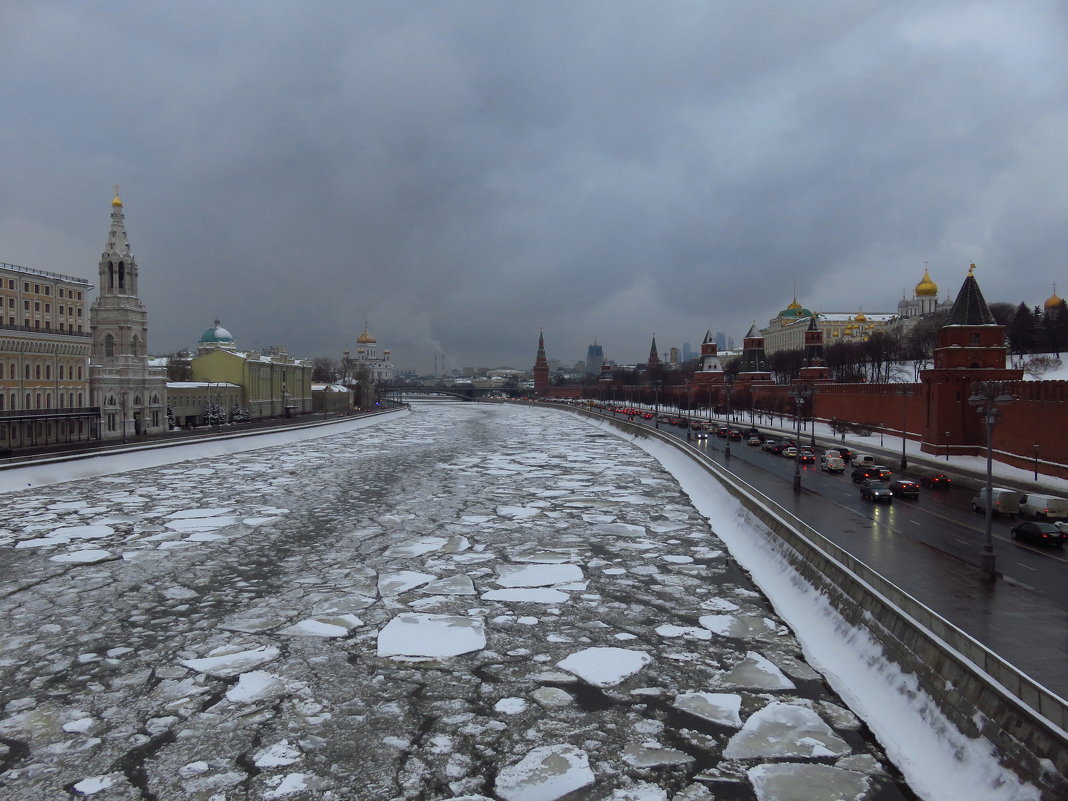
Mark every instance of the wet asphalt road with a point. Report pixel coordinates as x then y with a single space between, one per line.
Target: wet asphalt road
930 547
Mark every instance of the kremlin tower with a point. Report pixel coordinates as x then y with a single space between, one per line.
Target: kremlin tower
541 369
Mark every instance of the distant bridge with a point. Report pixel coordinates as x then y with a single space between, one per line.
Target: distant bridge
464 392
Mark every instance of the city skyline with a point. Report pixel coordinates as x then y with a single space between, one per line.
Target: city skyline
464 176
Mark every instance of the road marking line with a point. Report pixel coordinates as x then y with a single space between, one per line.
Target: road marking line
1021 564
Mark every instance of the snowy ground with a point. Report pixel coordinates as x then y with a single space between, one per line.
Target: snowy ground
467 601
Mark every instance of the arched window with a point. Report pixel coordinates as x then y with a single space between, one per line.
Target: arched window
29 401
38 400
48 400
48 372
61 372
80 404
111 275
27 372
79 372
37 372
62 400
1 402
137 400
122 275
109 345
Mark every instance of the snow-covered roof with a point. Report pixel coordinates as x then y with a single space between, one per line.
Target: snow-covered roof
199 384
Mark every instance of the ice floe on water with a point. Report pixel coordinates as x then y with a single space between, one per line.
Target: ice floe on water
545 774
420 636
390 615
605 667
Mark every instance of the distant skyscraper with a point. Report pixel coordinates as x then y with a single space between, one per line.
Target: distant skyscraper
730 343
687 352
721 340
594 358
673 356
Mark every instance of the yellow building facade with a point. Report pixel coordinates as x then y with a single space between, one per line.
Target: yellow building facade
273 384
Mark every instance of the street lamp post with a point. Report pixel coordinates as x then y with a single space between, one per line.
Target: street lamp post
1036 461
800 394
904 392
986 397
730 389
123 417
656 403
947 446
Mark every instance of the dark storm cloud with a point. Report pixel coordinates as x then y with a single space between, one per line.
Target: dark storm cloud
460 174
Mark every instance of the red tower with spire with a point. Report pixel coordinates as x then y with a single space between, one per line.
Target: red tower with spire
541 369
654 357
971 347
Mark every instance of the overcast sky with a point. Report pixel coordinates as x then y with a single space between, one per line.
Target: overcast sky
461 174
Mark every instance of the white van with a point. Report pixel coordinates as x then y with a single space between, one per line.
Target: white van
864 460
1044 507
1006 501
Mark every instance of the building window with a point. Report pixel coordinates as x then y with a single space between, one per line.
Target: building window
11 303
61 372
79 374
79 394
37 289
48 308
111 421
27 372
109 345
48 372
25 305
48 290
36 307
61 291
25 286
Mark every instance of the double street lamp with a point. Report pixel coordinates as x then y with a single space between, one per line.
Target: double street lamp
730 389
987 397
800 393
904 392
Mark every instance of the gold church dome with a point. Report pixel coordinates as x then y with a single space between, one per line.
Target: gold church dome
117 203
861 317
366 338
1053 301
926 288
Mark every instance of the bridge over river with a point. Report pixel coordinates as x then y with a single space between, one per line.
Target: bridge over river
478 601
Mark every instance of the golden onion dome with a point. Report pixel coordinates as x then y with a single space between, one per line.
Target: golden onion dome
366 338
861 317
117 203
1052 302
926 288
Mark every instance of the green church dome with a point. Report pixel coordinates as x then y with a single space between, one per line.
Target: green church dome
216 334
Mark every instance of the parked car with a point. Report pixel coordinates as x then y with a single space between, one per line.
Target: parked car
1040 533
862 472
1005 501
875 491
1044 507
905 488
831 463
936 480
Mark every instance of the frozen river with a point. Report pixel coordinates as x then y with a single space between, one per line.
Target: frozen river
464 601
